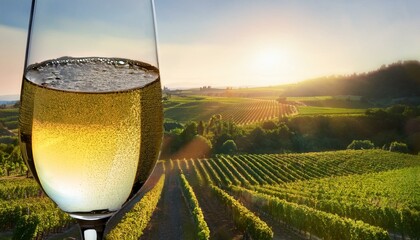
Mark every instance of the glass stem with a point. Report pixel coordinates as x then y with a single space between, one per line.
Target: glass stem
92 229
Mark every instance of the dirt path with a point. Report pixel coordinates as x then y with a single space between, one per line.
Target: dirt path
216 215
280 231
218 219
171 219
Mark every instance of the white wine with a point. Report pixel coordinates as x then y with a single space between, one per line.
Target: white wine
90 130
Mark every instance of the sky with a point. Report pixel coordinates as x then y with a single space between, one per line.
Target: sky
235 43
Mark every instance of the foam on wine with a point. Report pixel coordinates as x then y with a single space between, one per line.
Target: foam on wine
83 126
91 74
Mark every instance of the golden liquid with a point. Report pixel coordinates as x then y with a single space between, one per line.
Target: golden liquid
91 151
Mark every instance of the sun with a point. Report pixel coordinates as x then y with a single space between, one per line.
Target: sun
269 59
271 65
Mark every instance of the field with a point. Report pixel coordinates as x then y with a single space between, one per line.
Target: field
353 194
188 106
241 111
8 122
310 110
343 194
245 111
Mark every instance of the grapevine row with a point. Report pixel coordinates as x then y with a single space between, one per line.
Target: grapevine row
197 173
203 229
245 220
322 224
136 220
16 189
32 217
272 169
373 198
236 174
258 110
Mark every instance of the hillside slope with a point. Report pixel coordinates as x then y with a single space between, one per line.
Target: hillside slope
397 80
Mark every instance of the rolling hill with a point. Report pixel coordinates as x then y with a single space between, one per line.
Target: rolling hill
397 80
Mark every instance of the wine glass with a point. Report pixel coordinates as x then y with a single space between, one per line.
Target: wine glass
91 112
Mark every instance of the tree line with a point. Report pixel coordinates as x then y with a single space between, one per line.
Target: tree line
393 128
396 80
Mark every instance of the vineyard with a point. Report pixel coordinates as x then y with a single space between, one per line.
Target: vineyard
258 111
8 124
27 212
241 111
364 194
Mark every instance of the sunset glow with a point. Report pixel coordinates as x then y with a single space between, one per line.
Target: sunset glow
270 60
247 43
273 65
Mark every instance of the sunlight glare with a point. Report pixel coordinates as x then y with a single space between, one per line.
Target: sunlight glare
269 59
272 65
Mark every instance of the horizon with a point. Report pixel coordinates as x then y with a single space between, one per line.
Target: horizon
16 96
243 43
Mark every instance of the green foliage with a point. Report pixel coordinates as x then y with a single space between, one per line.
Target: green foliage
398 147
37 224
203 231
6 148
371 198
136 220
253 169
384 199
189 132
397 80
12 161
322 224
361 144
244 219
11 124
13 189
170 125
26 213
201 128
303 133
229 147
9 112
310 110
242 111
11 140
322 133
269 125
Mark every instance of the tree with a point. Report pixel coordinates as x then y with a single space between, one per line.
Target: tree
189 132
6 163
269 125
13 161
284 131
200 128
229 147
215 125
398 147
361 144
7 148
258 139
169 125
3 157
